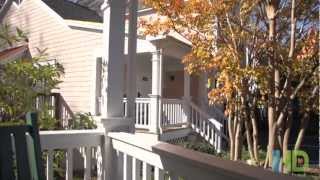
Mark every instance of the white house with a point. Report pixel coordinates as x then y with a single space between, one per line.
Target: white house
153 74
120 150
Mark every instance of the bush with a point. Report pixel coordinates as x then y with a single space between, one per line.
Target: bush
82 121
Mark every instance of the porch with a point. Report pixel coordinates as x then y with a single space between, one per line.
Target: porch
113 153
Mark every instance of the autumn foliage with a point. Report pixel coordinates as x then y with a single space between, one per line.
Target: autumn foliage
256 53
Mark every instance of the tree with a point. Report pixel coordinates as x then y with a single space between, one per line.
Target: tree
23 79
260 53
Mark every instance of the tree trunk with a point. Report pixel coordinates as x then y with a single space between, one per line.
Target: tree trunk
254 133
271 9
231 136
287 133
249 140
305 119
238 138
303 127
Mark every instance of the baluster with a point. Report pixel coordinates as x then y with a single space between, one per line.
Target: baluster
137 113
145 114
146 171
69 168
100 162
197 122
200 124
212 136
171 114
50 165
127 167
175 111
87 163
141 113
216 140
174 105
136 169
158 174
149 112
203 127
180 113
192 118
166 114
208 131
219 141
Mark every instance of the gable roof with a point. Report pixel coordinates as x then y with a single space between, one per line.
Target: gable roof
70 10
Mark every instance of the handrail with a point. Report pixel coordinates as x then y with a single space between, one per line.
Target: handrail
175 162
77 144
210 119
63 139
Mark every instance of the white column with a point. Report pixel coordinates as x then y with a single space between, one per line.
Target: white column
114 37
156 107
112 94
186 97
132 57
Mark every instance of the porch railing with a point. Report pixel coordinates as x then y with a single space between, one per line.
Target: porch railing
58 108
136 156
207 127
80 148
142 112
172 112
154 160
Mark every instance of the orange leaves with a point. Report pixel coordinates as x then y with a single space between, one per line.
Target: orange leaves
310 46
229 37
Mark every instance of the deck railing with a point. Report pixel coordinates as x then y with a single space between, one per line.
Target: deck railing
154 160
142 112
77 145
207 127
178 112
58 108
126 156
173 112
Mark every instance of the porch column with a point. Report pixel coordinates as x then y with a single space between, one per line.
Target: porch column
132 57
186 96
113 39
113 75
156 107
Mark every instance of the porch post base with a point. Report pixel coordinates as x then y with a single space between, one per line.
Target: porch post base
155 117
109 157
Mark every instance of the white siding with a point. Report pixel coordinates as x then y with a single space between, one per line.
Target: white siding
74 49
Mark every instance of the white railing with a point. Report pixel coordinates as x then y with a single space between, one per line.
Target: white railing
172 112
77 145
142 112
126 156
207 127
153 160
